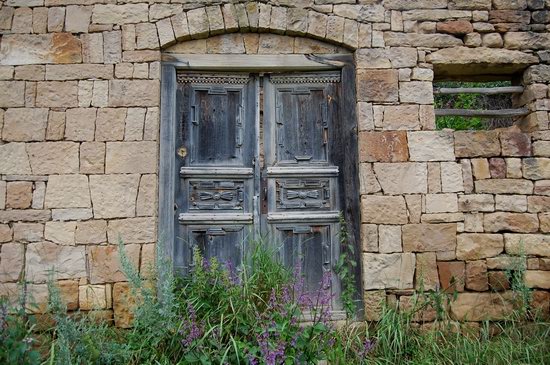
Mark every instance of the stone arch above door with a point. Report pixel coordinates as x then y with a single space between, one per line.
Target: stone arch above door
248 17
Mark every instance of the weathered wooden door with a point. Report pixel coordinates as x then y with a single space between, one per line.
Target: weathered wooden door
270 169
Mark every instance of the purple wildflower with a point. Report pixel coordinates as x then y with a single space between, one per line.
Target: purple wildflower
191 330
367 347
232 272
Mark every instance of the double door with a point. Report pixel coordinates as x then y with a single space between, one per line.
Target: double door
258 162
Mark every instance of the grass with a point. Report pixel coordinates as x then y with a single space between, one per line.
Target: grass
220 316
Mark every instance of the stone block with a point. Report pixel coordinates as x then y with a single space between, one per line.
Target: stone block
377 85
28 215
67 191
498 281
80 124
476 246
389 239
120 14
77 18
28 232
431 146
25 124
134 92
476 203
369 236
147 196
402 178
215 19
62 233
92 231
514 222
78 72
27 49
375 302
388 271
451 177
511 203
418 92
112 47
19 194
536 168
131 157
527 244
12 93
110 124
123 305
146 36
12 258
68 262
497 167
6 233
429 237
515 144
92 158
405 117
57 94
452 275
53 157
426 276
165 32
537 279
441 203
14 159
132 230
504 186
114 196
92 48
94 297
476 144
541 148
384 209
482 306
383 146
104 263
455 27
398 39
198 23
476 276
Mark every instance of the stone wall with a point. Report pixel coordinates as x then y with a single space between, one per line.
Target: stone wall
79 121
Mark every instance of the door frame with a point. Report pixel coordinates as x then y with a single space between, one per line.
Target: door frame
348 130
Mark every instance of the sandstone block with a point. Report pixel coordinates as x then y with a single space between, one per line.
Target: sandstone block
369 236
452 275
482 306
427 276
77 18
132 230
429 237
110 124
25 124
375 301
536 168
402 178
57 94
131 157
478 143
389 239
537 279
528 244
377 85
504 186
395 39
388 271
431 146
451 177
123 304
420 4
27 49
147 196
112 47
146 36
80 124
511 203
476 203
92 231
92 158
114 196
541 148
476 276
498 281
475 246
12 258
441 203
497 167
383 209
515 144
515 222
79 72
19 194
134 92
53 157
14 159
12 93
27 215
120 14
67 191
28 232
455 27
68 262
94 297
367 179
67 214
104 263
92 48
62 233
5 233
401 117
383 146
198 23
542 187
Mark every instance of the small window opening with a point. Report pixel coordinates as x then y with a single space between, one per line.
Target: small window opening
464 105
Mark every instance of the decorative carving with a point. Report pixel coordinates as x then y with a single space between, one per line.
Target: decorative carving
216 195
309 78
303 193
213 79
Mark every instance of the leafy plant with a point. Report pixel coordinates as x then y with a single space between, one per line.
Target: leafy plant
16 336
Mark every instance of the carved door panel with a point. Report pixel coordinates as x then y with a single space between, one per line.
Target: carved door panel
300 175
216 152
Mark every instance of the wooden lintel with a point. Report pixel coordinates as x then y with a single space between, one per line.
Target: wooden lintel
480 90
503 113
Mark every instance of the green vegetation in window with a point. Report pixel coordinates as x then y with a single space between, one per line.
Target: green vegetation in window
472 101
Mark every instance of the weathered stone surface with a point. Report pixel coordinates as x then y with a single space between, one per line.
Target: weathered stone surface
68 262
53 157
504 186
515 144
452 275
198 23
426 274
104 262
123 304
92 157
497 167
478 143
389 239
528 244
511 203
375 301
369 237
131 157
26 49
475 246
114 196
402 178
482 306
419 4
536 168
94 297
12 258
429 237
383 146
19 194
14 159
515 222
67 191
541 148
498 281
28 232
132 230
384 209
147 196
62 233
110 124
476 203
388 271
25 124
526 40
120 14
134 92
537 279
57 94
92 231
451 177
12 94
80 124
441 203
455 27
419 92
78 72
377 85
476 276
431 146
